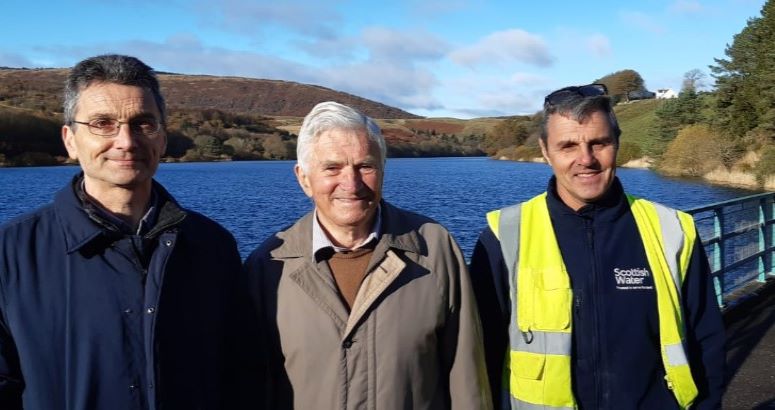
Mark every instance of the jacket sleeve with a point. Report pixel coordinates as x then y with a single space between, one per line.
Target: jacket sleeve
11 382
489 278
704 331
246 360
462 342
275 390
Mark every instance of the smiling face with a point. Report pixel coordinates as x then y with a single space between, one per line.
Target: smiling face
127 160
582 156
344 179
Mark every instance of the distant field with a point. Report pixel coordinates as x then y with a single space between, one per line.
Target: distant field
637 119
476 126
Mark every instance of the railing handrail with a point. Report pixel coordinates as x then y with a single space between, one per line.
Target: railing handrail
722 246
730 202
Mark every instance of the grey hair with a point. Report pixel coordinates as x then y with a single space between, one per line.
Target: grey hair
331 115
579 108
110 68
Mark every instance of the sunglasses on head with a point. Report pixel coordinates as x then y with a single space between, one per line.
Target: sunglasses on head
589 90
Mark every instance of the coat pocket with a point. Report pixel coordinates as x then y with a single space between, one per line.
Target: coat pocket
526 365
545 299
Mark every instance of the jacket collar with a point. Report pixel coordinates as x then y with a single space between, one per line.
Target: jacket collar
393 235
81 228
610 207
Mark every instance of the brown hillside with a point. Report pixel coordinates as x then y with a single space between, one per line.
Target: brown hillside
436 125
41 89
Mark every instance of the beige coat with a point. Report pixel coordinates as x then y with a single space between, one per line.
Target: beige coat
412 341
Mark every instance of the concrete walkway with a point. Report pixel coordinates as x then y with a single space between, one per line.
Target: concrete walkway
751 352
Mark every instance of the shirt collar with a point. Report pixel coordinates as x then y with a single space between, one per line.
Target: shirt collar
146 222
320 239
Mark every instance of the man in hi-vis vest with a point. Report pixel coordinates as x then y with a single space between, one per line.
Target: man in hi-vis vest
591 298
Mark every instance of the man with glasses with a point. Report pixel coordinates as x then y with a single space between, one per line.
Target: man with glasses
589 297
114 296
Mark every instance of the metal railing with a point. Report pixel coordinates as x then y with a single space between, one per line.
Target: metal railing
739 238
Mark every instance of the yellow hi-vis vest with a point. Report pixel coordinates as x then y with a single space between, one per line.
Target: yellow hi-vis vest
537 373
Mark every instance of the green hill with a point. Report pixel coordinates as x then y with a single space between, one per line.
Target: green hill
637 121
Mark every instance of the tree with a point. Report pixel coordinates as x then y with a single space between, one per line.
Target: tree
510 132
208 146
621 83
696 150
745 80
277 148
694 79
674 114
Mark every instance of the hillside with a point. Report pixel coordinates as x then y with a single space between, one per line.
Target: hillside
220 118
41 89
637 121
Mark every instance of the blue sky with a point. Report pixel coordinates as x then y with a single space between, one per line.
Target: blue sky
437 58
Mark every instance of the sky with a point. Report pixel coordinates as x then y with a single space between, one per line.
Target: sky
435 58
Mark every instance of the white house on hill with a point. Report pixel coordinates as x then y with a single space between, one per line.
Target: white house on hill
665 93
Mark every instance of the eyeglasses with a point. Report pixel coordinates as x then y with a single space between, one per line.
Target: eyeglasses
589 90
105 127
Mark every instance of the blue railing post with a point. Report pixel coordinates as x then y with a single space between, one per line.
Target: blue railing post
772 236
718 253
765 239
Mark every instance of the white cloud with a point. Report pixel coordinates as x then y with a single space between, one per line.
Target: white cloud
340 48
507 46
487 96
249 17
386 43
642 21
393 84
393 68
184 53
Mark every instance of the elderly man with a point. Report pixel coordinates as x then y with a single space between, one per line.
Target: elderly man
114 296
365 305
592 298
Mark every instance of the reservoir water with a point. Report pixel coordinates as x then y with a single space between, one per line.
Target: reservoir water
255 199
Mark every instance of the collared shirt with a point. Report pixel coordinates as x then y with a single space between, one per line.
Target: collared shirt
143 226
320 239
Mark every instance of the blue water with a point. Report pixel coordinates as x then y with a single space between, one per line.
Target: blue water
255 199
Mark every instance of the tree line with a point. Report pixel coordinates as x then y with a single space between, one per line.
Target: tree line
32 137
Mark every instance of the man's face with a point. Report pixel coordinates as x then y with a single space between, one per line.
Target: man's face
344 179
582 156
127 160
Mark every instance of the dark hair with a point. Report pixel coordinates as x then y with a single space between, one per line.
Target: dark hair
110 68
579 108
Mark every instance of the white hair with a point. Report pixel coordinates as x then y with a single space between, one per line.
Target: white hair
331 115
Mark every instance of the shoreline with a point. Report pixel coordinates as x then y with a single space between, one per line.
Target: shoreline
718 177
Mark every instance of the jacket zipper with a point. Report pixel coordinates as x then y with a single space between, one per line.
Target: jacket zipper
595 316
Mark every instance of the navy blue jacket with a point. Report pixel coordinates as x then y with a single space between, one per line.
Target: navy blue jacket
94 318
615 359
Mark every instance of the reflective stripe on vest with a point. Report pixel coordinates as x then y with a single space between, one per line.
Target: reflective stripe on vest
537 371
